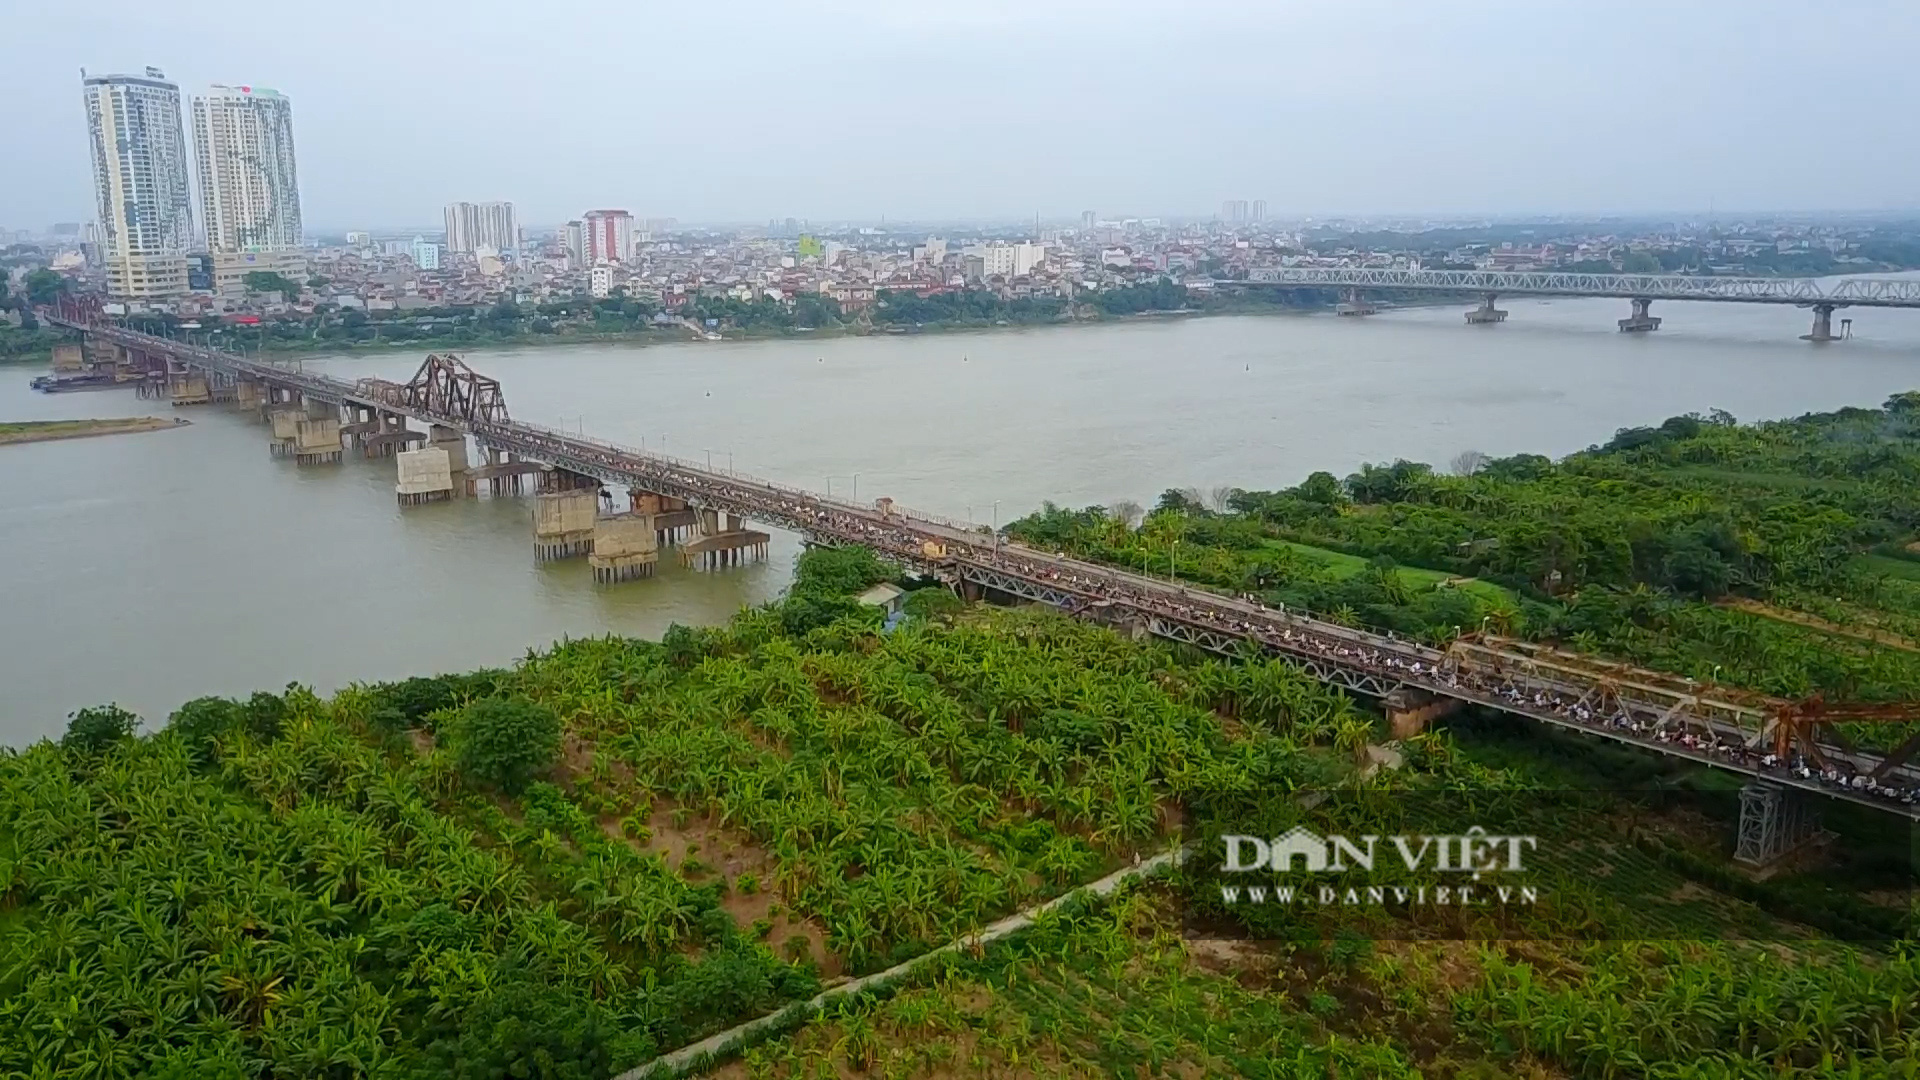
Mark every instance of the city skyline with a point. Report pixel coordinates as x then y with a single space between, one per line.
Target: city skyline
1435 123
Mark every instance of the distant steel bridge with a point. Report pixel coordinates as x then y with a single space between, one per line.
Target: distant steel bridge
1821 294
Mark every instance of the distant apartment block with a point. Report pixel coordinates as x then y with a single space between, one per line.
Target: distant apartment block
426 254
1007 260
140 182
607 236
472 226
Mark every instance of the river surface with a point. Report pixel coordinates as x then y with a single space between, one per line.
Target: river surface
153 568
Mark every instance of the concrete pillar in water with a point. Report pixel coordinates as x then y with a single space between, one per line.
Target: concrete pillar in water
563 524
1822 324
625 546
1354 303
1640 322
1486 313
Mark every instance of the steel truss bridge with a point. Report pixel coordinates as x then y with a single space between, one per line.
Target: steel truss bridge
1709 725
1802 292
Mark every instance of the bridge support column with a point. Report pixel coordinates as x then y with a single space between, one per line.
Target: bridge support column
1822 324
724 540
246 393
316 439
1486 313
1640 322
454 442
1410 710
625 546
285 419
1355 303
1774 823
563 524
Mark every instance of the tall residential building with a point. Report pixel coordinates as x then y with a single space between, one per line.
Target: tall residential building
426 253
1234 210
1259 209
249 186
574 236
140 182
1086 219
472 226
607 236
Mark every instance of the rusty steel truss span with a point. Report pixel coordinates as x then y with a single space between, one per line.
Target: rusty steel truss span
1805 292
1713 726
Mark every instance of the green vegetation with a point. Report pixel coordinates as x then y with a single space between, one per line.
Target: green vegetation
268 281
1637 549
408 880
504 742
619 847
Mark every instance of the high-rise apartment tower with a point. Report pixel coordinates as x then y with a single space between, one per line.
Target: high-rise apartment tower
140 182
607 236
249 185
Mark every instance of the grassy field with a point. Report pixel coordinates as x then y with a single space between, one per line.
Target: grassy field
1342 565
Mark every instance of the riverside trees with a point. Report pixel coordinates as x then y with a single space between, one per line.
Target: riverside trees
1639 548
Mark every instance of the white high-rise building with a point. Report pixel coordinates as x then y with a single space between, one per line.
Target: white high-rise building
249 185
472 226
140 182
426 253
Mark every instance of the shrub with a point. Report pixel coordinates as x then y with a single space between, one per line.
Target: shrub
505 742
201 722
95 730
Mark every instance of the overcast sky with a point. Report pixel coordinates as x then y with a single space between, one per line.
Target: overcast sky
744 110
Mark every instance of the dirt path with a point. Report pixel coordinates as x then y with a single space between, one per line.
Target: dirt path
1815 622
47 430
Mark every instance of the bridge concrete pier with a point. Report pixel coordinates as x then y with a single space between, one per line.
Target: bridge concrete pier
454 442
1486 313
246 393
563 523
724 540
625 547
1822 324
1640 322
503 473
1354 303
316 439
1409 710
1774 824
221 387
284 420
423 476
360 422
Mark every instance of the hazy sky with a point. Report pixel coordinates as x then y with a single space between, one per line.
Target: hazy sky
744 110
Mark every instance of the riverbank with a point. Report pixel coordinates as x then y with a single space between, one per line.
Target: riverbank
28 431
678 334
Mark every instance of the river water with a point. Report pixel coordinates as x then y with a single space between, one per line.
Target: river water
149 569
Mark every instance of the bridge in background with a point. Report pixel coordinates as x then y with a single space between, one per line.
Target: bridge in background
1784 749
1823 295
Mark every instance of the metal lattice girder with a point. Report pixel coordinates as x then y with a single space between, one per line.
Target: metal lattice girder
1855 292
